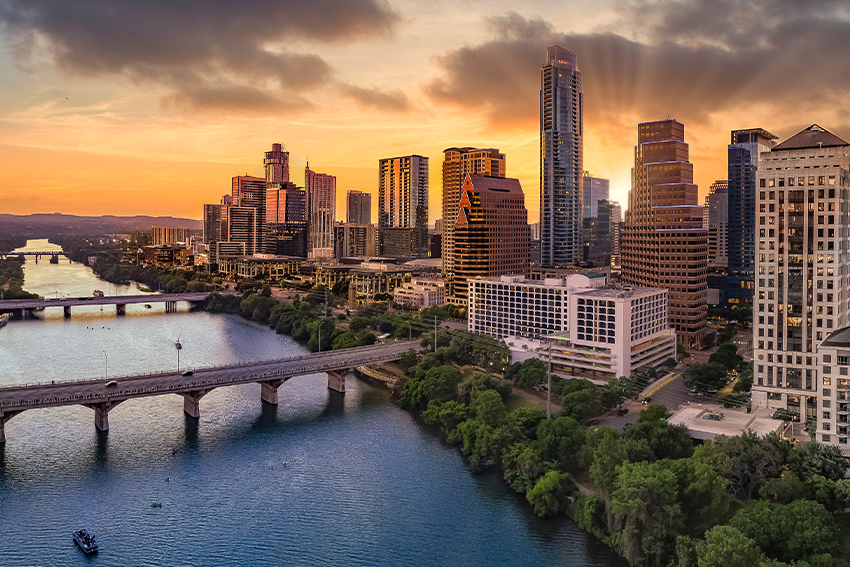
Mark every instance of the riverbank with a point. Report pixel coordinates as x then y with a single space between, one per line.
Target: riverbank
647 493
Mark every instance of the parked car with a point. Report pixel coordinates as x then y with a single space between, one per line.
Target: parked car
646 400
188 373
622 411
111 383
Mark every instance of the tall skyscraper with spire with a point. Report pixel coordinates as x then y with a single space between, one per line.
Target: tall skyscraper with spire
664 243
561 162
277 165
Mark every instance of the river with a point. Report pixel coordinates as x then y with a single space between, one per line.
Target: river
323 479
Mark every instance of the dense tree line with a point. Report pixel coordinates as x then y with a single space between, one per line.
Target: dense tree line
9 242
743 501
12 280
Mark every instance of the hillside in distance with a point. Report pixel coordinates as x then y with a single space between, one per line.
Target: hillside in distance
56 224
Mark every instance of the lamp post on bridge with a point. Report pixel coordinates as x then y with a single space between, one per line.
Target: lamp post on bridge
106 365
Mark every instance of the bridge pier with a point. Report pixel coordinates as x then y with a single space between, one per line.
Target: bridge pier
191 402
67 310
170 306
101 413
120 309
268 391
336 380
4 417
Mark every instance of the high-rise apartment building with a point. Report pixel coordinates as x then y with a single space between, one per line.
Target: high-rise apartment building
321 211
457 164
491 231
243 225
717 205
561 161
215 223
602 234
168 235
802 290
594 189
250 192
286 215
744 151
664 243
277 165
358 207
403 197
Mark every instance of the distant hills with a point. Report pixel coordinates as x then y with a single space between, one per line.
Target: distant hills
47 225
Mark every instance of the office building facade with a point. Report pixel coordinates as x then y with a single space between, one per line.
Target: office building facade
743 165
594 189
250 192
717 205
457 164
561 147
403 197
664 243
491 231
355 240
168 235
358 209
802 292
321 212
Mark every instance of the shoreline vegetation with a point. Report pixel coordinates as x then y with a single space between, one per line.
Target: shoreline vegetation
649 493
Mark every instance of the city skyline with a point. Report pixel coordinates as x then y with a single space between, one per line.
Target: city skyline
165 108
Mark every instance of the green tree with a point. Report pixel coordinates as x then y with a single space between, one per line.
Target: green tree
488 407
527 420
560 440
267 291
817 459
788 533
532 372
439 383
609 455
446 415
549 495
646 511
705 377
522 466
748 461
727 355
725 546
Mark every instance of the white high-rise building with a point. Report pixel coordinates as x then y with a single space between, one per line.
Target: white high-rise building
403 197
802 292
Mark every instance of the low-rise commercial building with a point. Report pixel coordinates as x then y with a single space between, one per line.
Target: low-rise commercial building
168 255
262 266
421 292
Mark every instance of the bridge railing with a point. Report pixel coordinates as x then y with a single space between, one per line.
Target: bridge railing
210 381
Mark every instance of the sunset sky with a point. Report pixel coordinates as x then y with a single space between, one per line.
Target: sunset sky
151 107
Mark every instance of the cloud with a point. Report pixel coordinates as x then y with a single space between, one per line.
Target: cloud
687 59
393 101
210 50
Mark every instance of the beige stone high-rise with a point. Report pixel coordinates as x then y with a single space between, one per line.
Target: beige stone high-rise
801 305
457 163
664 243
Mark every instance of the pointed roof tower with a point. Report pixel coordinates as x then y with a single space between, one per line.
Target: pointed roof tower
812 137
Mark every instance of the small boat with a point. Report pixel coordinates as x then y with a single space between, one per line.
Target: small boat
147 305
86 541
3 322
156 505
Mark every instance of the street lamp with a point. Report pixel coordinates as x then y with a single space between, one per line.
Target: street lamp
409 331
106 365
179 347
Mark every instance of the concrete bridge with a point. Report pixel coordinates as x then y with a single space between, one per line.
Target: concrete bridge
37 254
95 394
20 308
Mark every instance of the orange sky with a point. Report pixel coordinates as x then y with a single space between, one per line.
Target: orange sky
138 110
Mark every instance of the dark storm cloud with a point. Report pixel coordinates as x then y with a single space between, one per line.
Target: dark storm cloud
394 101
188 44
681 61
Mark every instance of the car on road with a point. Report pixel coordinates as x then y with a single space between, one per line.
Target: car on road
188 373
622 411
646 400
111 383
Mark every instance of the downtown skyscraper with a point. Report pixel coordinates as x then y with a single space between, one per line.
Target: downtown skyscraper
561 160
457 164
802 296
358 207
403 205
321 211
664 243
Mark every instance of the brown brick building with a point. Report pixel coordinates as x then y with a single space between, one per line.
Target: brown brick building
491 231
664 243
